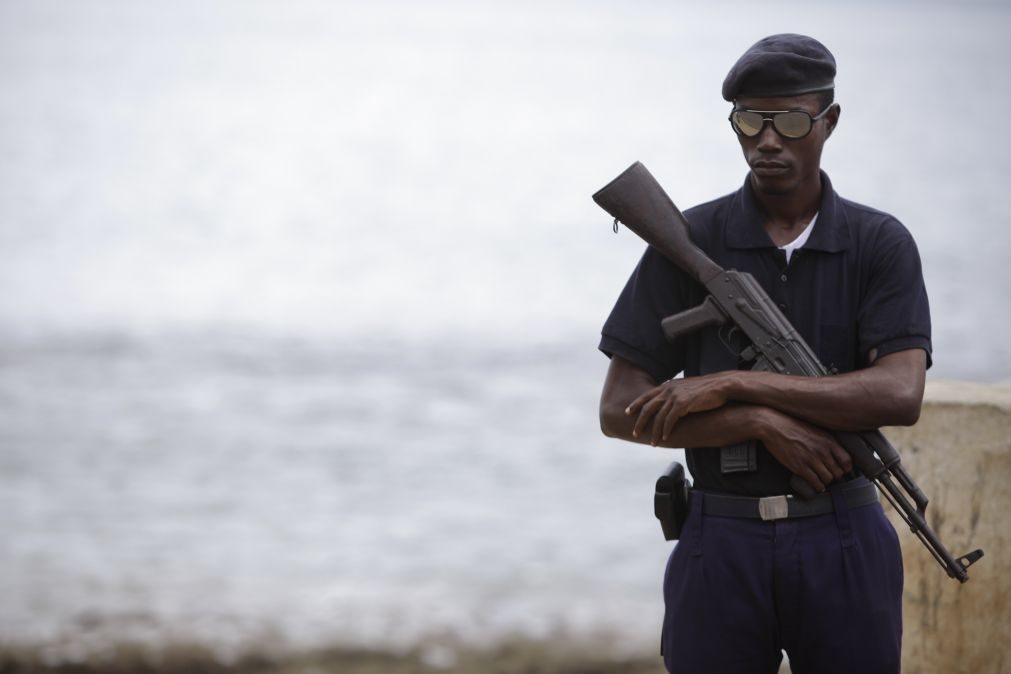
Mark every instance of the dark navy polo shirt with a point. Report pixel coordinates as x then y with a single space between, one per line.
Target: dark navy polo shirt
854 287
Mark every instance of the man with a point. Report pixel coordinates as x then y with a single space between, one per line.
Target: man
824 586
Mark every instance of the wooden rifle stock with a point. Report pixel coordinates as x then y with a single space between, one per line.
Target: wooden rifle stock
636 200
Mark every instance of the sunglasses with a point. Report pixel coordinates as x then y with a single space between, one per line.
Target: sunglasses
792 124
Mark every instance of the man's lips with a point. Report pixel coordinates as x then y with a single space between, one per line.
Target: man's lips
767 167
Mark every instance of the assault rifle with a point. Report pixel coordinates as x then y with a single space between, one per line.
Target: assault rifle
736 299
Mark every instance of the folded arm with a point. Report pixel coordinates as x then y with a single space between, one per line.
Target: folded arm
888 393
804 448
625 382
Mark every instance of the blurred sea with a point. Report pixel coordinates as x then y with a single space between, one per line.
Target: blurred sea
299 301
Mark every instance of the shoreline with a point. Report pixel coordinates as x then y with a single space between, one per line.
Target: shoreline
519 655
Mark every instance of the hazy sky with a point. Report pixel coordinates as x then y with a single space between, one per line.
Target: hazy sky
425 170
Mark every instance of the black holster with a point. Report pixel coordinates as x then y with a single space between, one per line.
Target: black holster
670 504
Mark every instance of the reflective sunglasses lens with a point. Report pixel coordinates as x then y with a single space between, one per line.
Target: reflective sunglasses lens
748 123
792 124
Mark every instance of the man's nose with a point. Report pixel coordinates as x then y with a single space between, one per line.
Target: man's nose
769 139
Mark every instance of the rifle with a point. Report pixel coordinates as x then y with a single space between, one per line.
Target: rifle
636 199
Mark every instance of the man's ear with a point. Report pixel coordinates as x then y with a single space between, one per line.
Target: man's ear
833 118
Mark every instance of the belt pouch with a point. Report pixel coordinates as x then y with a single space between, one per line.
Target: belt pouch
670 502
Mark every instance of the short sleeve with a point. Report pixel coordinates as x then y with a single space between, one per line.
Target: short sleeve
894 314
655 290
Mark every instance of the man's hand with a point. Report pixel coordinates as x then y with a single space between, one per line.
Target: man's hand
665 404
722 425
806 450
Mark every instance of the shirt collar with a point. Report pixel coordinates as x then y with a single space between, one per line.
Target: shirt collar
745 228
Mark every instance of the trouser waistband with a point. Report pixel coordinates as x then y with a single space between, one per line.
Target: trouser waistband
857 493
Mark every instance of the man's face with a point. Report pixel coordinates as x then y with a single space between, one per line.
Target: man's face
780 165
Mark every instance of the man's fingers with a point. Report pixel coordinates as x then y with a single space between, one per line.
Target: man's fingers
836 458
842 457
645 414
825 473
838 467
668 423
812 479
657 425
633 408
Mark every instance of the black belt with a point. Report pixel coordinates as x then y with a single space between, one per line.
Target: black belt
858 493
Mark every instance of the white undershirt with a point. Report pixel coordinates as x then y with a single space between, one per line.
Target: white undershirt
800 240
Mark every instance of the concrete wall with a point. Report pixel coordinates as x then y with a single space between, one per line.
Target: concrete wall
960 455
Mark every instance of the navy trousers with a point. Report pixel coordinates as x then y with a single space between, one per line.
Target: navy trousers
826 589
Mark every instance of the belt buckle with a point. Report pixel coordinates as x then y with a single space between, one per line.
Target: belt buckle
773 508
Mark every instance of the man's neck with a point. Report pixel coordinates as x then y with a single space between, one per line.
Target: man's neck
786 214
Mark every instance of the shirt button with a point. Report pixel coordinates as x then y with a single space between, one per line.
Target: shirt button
783 278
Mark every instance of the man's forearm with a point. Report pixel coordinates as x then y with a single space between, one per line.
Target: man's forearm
728 425
886 394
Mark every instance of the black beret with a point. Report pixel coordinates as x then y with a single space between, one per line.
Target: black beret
781 65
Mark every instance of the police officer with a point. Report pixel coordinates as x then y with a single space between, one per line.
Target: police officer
821 579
